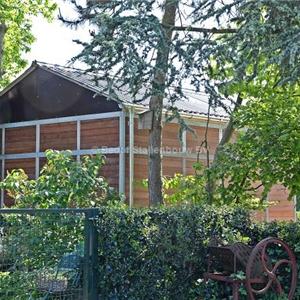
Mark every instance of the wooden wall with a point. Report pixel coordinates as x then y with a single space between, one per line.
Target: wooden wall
100 133
280 208
58 136
27 164
20 140
104 133
173 160
95 134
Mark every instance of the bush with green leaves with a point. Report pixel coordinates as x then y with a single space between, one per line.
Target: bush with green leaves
34 243
63 183
160 253
192 189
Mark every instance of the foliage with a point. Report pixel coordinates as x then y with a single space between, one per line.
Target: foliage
182 189
264 152
160 253
267 150
17 16
19 282
224 48
191 189
256 36
63 182
143 253
33 244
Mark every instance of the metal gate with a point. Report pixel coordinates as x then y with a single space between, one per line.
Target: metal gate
48 254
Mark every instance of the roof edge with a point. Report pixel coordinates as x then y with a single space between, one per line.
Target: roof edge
187 115
35 65
27 72
45 68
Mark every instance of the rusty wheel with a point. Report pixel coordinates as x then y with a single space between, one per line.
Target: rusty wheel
261 272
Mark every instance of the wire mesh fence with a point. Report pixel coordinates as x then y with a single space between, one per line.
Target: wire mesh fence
48 254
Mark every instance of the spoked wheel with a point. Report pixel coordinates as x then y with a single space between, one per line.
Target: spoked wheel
262 273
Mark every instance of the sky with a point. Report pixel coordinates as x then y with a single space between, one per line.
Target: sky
54 41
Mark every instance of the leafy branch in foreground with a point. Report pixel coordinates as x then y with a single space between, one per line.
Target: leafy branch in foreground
15 33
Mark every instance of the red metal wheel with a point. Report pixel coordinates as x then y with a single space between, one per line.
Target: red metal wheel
260 271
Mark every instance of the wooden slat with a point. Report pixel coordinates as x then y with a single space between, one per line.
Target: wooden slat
28 165
278 192
194 141
100 133
58 136
281 208
141 136
189 165
259 216
110 170
171 166
140 172
20 140
170 137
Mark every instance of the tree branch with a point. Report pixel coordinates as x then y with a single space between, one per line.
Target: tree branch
205 30
2 34
230 127
211 184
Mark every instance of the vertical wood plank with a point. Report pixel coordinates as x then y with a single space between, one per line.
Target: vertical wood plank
37 150
122 146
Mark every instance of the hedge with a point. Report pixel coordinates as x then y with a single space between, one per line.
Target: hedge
144 253
161 253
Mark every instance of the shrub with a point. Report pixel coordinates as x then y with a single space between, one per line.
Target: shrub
63 182
37 242
160 253
192 189
156 253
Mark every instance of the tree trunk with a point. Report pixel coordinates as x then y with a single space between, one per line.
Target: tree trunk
229 129
156 105
210 188
2 34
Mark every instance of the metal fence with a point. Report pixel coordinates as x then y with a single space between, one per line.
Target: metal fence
48 254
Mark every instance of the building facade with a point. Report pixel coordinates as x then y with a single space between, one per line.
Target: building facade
53 107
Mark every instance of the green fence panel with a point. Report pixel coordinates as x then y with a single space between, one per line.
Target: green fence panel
48 254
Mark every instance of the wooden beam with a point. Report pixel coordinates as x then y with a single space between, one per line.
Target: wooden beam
78 138
122 146
2 166
131 156
88 117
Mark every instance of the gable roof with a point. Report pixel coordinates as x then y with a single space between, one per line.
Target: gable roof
195 104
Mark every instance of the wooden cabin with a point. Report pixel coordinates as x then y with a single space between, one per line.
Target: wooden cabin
54 107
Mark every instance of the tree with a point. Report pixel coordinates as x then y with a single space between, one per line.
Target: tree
15 33
268 152
220 47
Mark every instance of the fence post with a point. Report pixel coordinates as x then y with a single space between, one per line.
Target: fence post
90 272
